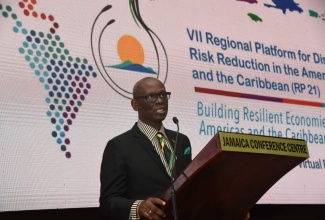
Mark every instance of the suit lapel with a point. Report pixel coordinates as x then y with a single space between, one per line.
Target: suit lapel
147 147
171 137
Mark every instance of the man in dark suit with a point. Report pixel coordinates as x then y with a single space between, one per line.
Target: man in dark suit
134 169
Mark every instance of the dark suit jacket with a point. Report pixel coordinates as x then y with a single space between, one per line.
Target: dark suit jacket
131 169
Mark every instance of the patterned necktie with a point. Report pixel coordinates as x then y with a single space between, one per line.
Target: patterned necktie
164 148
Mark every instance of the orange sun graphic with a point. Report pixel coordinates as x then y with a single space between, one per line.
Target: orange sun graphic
130 49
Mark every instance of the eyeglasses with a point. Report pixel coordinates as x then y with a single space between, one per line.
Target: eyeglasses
153 97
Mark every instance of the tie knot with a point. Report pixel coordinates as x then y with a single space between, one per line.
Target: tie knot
159 135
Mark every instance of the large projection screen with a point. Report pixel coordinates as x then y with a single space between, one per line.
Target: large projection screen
67 69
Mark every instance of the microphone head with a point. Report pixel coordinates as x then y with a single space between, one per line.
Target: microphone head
175 120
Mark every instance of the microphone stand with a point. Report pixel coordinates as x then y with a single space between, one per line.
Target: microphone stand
173 192
174 200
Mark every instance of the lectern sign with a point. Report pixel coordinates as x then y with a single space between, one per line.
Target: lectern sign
263 144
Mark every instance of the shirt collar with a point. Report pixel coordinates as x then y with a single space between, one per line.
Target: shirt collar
149 131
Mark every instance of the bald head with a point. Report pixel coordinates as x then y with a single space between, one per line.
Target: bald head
140 86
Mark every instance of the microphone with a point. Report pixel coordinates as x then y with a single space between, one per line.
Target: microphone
173 193
175 120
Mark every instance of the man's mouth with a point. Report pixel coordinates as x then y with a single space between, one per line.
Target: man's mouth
160 110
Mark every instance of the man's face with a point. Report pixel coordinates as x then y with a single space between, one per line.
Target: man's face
151 113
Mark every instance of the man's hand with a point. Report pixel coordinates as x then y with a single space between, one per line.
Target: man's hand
149 209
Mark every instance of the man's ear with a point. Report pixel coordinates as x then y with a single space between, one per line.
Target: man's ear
134 104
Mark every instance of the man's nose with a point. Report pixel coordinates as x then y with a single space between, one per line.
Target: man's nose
159 99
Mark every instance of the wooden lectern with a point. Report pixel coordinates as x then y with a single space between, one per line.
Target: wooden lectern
230 174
